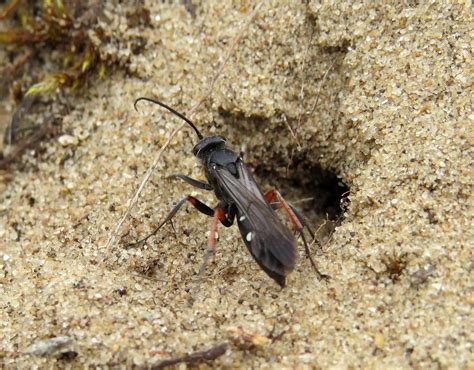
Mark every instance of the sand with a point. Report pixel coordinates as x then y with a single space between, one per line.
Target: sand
380 95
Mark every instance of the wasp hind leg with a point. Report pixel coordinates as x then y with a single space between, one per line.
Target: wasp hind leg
224 215
276 201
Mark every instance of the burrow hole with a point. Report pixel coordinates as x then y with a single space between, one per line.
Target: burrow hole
319 193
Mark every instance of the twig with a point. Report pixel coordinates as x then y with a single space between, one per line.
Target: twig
292 132
195 357
8 9
301 94
295 132
150 170
30 142
10 71
320 86
13 128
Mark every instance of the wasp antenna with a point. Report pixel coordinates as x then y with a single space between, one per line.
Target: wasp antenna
182 116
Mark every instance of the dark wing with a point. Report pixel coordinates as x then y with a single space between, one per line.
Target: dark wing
269 241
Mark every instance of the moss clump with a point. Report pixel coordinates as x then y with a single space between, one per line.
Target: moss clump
56 25
71 37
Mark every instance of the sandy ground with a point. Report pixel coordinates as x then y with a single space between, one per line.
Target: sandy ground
379 95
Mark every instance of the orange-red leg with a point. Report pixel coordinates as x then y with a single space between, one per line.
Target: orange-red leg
296 219
283 204
219 216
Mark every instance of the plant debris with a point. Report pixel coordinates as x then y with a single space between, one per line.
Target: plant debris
76 33
193 358
52 346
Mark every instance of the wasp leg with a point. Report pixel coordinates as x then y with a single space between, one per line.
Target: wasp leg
296 219
272 194
219 216
191 181
200 206
302 219
229 213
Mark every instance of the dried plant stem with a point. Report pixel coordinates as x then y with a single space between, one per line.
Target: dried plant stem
31 142
193 358
303 85
319 89
150 170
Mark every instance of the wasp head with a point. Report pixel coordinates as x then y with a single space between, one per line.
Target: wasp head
208 143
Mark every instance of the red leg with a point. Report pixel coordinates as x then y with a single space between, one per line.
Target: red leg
283 204
293 214
219 216
297 221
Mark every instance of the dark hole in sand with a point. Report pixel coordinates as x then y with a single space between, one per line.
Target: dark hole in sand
317 192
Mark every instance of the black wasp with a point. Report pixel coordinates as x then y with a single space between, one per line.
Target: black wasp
270 242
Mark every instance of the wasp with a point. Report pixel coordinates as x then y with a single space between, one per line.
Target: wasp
269 241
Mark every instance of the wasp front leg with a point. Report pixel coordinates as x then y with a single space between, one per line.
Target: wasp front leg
297 221
200 206
191 181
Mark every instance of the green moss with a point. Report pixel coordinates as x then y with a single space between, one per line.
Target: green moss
55 28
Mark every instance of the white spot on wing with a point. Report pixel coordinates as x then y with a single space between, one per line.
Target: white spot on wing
249 237
242 218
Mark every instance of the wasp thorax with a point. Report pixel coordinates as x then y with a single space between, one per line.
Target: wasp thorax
208 143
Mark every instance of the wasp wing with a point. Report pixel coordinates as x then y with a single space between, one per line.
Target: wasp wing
269 241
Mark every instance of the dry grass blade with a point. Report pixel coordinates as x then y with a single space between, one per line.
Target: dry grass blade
193 358
43 130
